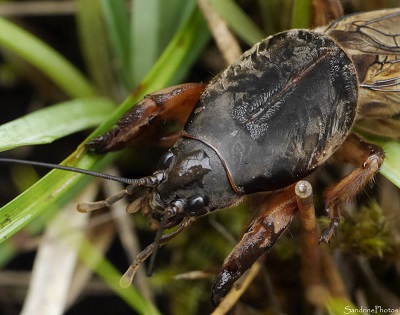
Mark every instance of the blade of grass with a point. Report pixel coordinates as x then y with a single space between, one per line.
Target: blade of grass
339 306
88 253
197 45
177 11
174 61
175 55
45 58
238 21
391 166
174 13
145 32
58 187
152 28
273 19
23 177
117 19
48 287
54 122
94 45
301 14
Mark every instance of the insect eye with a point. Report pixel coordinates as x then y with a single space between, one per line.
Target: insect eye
166 160
196 205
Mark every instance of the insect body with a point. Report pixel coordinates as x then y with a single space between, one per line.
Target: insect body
267 121
270 119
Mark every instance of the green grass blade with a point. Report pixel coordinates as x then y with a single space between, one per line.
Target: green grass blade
238 21
301 14
153 24
174 61
175 58
174 13
50 193
58 187
45 58
118 25
274 20
339 306
145 32
95 45
88 253
52 123
391 166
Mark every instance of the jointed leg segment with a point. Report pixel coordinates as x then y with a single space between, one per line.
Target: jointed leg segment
149 181
369 159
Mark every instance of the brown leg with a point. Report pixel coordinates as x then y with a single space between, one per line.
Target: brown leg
369 159
157 119
261 234
126 279
137 189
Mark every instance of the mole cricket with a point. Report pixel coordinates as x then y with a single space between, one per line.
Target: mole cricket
270 119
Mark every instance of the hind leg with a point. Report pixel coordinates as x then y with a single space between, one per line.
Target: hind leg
262 233
369 159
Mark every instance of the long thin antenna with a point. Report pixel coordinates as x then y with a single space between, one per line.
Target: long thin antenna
71 169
